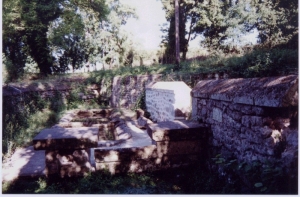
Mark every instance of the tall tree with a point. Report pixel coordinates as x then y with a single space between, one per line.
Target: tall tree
37 15
13 32
177 33
187 19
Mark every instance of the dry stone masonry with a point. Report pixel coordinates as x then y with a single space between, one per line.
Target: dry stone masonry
127 90
167 101
174 144
256 119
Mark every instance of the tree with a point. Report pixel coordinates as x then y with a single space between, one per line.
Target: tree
116 45
277 22
187 14
177 33
26 25
13 31
223 23
37 15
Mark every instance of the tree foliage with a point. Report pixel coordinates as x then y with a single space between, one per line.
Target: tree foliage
59 33
277 22
223 23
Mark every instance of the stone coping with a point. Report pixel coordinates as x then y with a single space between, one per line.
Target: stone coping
268 91
168 86
61 136
66 138
177 130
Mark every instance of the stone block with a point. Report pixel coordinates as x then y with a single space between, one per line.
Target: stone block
141 165
269 91
203 111
246 109
217 115
246 121
66 138
251 135
235 115
177 130
202 101
124 154
231 122
179 147
256 121
68 162
243 100
221 97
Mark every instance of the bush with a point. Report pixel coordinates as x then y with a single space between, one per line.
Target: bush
17 119
263 63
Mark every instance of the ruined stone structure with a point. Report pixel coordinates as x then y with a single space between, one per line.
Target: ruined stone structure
256 119
167 101
75 148
119 91
127 90
172 144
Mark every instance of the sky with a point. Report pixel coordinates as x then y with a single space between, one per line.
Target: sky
146 29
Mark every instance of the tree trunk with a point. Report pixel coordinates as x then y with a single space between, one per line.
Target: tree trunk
177 32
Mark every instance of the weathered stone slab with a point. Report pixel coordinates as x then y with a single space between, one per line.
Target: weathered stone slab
268 91
161 149
179 147
124 154
177 130
66 138
151 164
68 162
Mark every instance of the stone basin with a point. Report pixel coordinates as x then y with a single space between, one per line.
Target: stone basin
85 129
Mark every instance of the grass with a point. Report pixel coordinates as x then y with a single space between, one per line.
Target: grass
96 183
194 179
257 63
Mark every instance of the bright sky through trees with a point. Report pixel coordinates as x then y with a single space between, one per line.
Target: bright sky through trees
146 29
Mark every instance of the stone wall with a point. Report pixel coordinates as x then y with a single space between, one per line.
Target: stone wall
48 90
127 90
118 91
256 119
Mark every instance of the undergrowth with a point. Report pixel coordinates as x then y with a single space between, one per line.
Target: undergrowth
27 114
228 177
